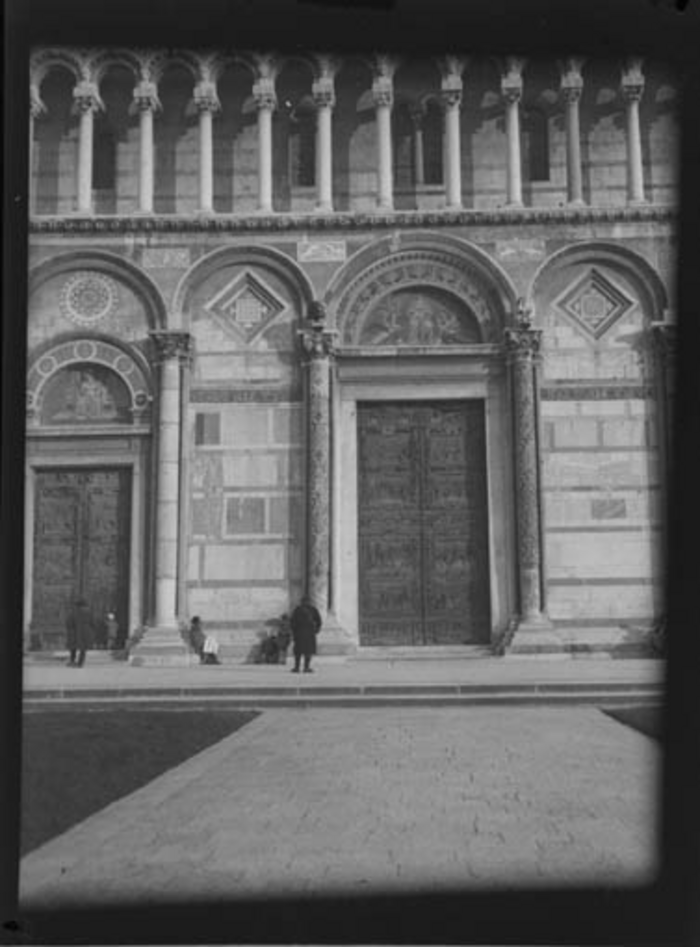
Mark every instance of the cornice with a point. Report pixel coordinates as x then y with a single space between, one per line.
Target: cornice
275 223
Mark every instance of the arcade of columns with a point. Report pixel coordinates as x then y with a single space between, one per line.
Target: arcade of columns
521 341
87 102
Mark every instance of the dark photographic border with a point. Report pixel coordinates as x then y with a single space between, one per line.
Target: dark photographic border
665 913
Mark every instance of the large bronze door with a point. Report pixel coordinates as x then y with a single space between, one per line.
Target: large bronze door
81 547
423 523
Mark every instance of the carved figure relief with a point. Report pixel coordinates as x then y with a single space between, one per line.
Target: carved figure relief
86 394
418 318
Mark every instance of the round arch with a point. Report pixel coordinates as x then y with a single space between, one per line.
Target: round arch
92 350
631 265
112 265
278 262
422 259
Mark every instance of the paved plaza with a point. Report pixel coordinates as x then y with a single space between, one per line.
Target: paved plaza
356 800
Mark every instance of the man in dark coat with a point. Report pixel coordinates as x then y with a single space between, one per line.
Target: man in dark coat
306 624
78 632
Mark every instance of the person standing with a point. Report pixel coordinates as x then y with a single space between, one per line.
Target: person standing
78 632
306 624
112 629
197 637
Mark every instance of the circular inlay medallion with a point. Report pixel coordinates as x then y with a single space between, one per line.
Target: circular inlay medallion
86 298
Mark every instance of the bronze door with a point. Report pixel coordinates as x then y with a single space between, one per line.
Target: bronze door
423 524
81 547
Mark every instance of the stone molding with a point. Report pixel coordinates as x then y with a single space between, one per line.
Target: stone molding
391 220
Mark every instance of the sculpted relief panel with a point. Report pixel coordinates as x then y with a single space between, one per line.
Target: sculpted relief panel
418 317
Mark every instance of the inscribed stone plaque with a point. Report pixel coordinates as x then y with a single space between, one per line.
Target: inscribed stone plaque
321 251
163 257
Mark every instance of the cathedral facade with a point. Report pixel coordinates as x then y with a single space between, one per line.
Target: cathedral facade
393 333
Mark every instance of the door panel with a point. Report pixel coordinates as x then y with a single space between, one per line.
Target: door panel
81 547
423 540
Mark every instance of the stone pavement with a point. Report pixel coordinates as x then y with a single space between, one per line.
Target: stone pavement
331 800
459 679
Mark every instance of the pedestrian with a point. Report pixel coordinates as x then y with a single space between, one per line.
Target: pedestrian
197 637
306 624
210 651
112 629
78 632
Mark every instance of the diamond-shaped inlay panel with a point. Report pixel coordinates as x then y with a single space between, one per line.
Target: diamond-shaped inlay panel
247 304
594 303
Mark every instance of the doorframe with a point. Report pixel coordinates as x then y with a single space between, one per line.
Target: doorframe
445 376
63 453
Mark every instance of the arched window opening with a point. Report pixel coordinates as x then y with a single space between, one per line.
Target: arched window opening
104 169
433 160
302 146
537 145
402 132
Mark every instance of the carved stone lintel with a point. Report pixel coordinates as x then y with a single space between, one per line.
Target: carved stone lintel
172 344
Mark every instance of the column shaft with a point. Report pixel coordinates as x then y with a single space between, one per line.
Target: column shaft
319 482
85 147
206 161
418 154
167 503
146 160
635 172
265 158
385 184
453 188
514 173
574 180
324 157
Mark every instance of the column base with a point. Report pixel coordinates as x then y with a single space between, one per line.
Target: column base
536 637
576 202
161 646
333 639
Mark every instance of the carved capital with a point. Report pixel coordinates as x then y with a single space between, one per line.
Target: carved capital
571 93
171 344
383 92
512 78
317 340
632 85
523 344
451 98
323 93
86 96
205 97
264 94
146 96
664 341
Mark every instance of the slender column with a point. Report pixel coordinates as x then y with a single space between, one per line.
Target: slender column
382 90
324 99
317 342
36 108
206 102
417 115
266 101
173 350
87 101
453 164
571 89
146 102
523 348
632 89
512 90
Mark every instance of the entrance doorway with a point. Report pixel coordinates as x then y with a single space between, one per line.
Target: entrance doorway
81 547
423 523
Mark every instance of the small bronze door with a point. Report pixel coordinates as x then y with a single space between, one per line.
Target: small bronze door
81 547
423 524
